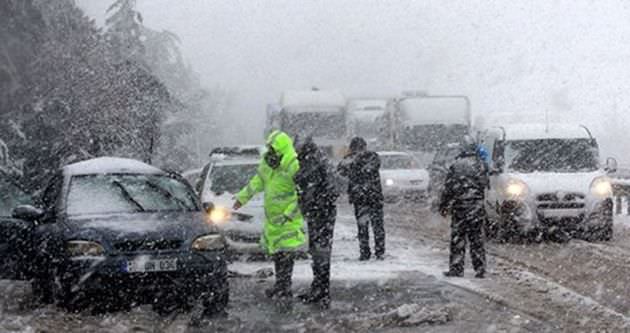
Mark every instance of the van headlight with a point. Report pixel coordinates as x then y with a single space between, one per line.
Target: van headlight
601 187
516 189
81 248
208 243
389 182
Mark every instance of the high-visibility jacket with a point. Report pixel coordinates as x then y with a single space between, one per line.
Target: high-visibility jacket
283 227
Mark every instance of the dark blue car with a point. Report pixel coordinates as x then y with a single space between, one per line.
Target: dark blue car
119 231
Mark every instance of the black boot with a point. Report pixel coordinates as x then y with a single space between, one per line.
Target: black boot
452 273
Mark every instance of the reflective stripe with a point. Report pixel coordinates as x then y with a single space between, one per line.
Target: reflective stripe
293 214
284 237
278 220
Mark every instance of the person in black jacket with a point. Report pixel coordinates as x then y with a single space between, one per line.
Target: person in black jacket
361 167
463 198
317 194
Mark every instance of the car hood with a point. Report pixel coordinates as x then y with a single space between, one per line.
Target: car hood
184 226
544 182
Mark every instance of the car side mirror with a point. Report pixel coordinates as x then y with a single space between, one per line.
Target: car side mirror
207 207
27 213
611 165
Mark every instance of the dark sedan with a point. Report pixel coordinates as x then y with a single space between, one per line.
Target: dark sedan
122 231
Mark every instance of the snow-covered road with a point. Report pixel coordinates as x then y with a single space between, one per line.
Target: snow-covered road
532 288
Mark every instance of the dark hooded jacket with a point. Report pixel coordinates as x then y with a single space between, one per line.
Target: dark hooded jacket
362 169
317 191
466 181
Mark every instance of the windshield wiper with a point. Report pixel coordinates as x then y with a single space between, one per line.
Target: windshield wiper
169 195
128 196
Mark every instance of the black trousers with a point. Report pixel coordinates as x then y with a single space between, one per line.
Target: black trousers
283 265
367 215
466 227
320 232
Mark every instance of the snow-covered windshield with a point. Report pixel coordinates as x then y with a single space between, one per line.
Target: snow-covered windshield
552 155
10 197
106 194
329 125
231 178
394 162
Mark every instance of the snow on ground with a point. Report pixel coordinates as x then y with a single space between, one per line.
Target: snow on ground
402 255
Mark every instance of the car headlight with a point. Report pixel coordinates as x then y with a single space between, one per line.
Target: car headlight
208 243
602 187
220 215
80 248
389 182
516 189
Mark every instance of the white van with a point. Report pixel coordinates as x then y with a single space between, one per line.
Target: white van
547 178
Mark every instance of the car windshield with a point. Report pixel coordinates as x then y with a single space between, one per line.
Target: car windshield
231 178
393 162
10 197
105 194
552 155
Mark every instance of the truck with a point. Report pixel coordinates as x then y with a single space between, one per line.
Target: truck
366 118
320 115
427 123
547 181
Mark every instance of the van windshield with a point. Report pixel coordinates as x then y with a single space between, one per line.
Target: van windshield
552 155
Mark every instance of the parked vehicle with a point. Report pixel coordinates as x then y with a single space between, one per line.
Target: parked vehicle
547 178
118 231
403 178
229 170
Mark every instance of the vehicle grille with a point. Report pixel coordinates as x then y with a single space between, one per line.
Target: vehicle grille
148 245
560 200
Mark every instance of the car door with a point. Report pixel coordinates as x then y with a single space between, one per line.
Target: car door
15 234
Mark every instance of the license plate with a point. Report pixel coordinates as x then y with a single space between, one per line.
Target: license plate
144 265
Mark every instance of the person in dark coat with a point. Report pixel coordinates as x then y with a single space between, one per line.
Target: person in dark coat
317 195
463 199
361 167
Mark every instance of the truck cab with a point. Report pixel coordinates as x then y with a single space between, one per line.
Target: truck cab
547 178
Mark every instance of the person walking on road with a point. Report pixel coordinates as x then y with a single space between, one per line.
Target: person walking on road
463 199
361 167
317 194
283 227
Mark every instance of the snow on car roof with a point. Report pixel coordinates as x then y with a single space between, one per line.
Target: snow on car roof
308 98
393 153
106 165
542 131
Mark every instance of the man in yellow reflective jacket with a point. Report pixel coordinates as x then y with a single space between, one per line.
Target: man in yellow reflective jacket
283 229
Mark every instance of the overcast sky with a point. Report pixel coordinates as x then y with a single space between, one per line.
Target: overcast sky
568 57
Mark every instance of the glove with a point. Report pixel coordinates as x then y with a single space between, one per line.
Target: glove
237 205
